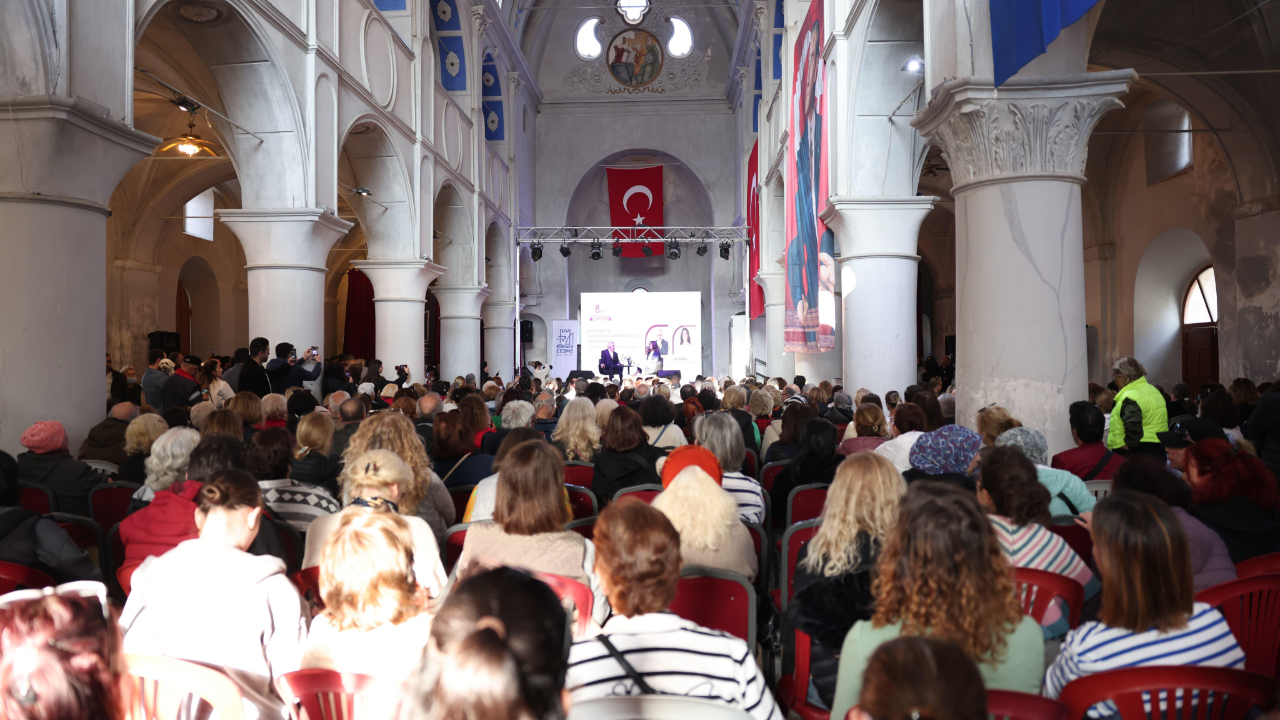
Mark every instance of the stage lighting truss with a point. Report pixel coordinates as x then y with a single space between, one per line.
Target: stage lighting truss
673 250
597 250
724 250
535 251
670 240
647 249
564 249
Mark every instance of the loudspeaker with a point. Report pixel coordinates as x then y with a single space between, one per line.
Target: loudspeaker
163 340
526 331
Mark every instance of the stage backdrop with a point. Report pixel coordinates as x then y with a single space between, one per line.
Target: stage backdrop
810 298
632 320
564 347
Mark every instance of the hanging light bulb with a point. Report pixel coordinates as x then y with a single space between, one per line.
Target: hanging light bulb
189 143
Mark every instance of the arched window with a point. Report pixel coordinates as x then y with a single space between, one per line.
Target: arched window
585 41
633 11
1167 144
681 42
1201 304
198 216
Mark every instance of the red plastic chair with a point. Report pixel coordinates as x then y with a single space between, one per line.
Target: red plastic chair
579 474
796 537
771 471
1010 705
16 577
750 464
84 532
793 689
644 492
806 502
1261 565
717 599
109 502
1036 589
579 595
1252 609
307 580
325 694
460 495
582 502
36 498
454 539
760 540
159 687
1230 693
840 430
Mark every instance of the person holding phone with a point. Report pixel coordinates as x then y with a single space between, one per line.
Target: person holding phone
298 372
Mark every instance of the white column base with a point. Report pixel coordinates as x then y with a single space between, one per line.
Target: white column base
500 338
779 363
399 305
460 329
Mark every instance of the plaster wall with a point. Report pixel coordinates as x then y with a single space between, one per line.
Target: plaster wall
1166 269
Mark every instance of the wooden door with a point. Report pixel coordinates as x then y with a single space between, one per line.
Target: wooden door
1199 355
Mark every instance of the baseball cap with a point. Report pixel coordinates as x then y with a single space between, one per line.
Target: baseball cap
193 360
1185 433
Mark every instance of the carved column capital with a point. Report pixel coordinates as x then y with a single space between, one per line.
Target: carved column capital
761 11
516 83
744 75
479 20
1027 128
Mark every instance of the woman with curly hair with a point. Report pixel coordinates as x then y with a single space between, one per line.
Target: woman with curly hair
942 573
476 414
426 497
577 435
139 436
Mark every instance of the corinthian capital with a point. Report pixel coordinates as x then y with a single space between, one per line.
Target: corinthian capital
515 82
761 10
479 20
1037 126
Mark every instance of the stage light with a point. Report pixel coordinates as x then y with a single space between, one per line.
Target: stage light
724 250
535 251
648 251
617 249
702 250
185 103
914 65
673 250
361 191
564 249
597 250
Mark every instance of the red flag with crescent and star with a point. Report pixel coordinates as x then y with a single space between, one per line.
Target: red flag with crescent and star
635 201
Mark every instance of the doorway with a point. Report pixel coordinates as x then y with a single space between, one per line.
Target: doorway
1200 331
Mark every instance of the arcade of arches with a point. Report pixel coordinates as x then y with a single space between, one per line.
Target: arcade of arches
1117 196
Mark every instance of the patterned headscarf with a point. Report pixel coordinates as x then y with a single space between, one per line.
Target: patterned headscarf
949 449
1030 442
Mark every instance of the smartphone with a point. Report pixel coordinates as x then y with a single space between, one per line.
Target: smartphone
293 353
315 350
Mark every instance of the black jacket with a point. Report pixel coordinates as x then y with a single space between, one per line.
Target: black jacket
35 542
964 481
284 376
470 469
119 385
178 391
546 426
489 442
68 478
105 441
341 438
133 470
254 379
837 417
317 470
748 426
426 431
1247 530
1264 431
617 470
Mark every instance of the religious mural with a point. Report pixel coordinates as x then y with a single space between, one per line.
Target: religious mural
634 57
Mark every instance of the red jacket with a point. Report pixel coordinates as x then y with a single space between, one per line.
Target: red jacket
160 526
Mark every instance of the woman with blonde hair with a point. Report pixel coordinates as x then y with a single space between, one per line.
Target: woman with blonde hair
577 435
249 408
311 462
379 479
835 569
426 496
993 421
603 408
375 620
275 411
868 430
704 513
139 435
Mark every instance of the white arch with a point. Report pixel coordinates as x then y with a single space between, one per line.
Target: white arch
1169 263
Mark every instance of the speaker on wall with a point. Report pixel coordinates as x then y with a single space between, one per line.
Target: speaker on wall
526 331
163 340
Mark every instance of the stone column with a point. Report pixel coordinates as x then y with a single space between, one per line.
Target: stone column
460 329
399 304
780 364
878 260
828 365
1017 158
500 337
285 252
61 160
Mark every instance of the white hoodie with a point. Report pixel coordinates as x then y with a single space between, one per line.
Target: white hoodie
215 605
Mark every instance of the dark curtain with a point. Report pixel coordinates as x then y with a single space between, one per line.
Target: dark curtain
358 335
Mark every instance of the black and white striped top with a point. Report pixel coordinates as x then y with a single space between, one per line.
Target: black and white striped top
748 493
675 657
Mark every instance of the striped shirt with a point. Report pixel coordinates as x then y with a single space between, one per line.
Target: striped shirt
297 504
1036 547
1093 648
675 657
748 493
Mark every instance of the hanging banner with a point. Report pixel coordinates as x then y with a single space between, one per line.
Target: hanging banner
755 292
811 265
562 354
635 200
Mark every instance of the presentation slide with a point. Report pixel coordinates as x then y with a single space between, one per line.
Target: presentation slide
637 323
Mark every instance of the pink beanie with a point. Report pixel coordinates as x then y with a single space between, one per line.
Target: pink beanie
44 437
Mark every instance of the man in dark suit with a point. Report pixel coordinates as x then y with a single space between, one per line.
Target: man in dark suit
609 363
253 378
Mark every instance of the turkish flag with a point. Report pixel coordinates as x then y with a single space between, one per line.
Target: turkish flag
755 293
635 200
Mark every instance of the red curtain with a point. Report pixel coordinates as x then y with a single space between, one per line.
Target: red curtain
358 335
754 291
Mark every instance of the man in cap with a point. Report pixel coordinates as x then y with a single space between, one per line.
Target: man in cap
1185 433
181 389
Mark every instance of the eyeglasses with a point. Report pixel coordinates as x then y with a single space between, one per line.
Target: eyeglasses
79 588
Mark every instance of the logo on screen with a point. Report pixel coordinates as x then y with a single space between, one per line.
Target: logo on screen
597 307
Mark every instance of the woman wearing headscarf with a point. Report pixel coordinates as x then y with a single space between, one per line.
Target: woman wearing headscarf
1070 496
944 454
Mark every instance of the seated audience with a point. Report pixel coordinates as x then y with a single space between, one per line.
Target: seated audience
705 516
841 411
928 401
311 462
483 499
275 412
1183 434
920 677
735 400
815 464
638 561
908 426
1068 494
892 400
476 418
1019 510
1090 459
258 632
60 658
942 573
947 402
868 430
248 407
577 436
994 421
457 461
515 414
177 417
352 412
1148 615
299 403
603 410
782 438
378 479
1210 562
106 440
269 459
658 416
142 432
48 463
166 464
1219 409
200 414
36 542
718 433
1264 428
427 497
625 459
544 414
1236 497
375 620
498 651
223 422
834 571
944 455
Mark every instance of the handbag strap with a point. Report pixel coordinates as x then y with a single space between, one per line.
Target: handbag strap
1106 458
1070 505
660 434
636 677
455 467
